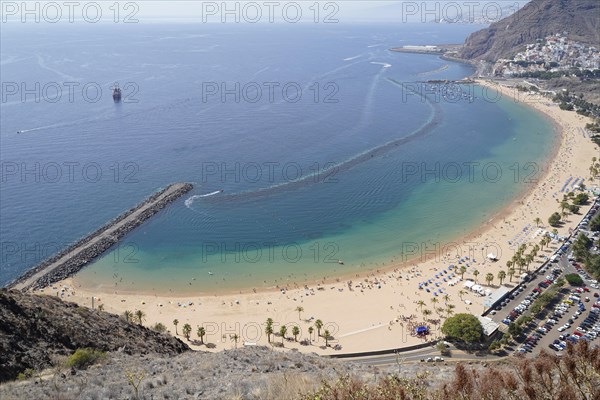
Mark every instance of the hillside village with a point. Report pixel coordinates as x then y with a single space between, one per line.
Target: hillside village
554 53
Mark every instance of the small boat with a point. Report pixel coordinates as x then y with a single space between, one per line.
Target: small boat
116 94
340 262
210 273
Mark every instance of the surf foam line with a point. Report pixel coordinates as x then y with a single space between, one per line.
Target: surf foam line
344 166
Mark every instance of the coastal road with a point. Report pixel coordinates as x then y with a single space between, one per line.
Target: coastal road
417 355
108 232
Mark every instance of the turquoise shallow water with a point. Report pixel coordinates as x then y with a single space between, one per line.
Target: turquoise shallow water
264 229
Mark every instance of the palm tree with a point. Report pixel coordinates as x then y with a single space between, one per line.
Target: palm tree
564 204
235 338
310 332
475 274
426 313
501 276
269 329
461 293
511 273
141 316
326 335
295 332
521 264
318 325
201 332
299 309
176 322
100 307
282 332
528 260
537 221
420 303
462 271
509 264
128 315
434 301
187 329
489 277
440 310
446 298
449 310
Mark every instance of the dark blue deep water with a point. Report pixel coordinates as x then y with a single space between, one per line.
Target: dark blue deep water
307 148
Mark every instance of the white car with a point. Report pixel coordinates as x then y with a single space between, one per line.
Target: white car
562 328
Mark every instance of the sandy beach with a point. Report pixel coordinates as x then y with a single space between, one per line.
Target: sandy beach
378 310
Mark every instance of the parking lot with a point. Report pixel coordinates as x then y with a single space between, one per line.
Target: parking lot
572 315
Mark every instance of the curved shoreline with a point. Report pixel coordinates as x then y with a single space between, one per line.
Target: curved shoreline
69 261
384 264
375 310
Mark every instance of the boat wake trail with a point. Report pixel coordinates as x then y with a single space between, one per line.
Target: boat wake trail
323 175
385 65
352 58
190 201
109 116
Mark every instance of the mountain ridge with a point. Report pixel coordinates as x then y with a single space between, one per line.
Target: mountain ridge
536 20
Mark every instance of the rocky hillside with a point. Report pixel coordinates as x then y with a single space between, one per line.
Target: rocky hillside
36 329
537 19
260 373
253 373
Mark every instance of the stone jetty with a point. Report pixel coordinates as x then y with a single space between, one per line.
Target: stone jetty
69 261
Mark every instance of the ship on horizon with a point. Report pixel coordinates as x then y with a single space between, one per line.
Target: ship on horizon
116 94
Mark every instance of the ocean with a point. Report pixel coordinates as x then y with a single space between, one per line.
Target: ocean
314 150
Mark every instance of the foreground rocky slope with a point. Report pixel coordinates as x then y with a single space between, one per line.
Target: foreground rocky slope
245 373
260 373
537 19
35 329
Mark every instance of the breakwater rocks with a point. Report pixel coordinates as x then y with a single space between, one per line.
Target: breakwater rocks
72 259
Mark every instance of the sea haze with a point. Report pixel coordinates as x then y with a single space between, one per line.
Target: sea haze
354 125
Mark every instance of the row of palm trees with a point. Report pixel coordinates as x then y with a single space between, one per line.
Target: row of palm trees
489 277
138 316
520 259
269 330
187 331
594 168
448 310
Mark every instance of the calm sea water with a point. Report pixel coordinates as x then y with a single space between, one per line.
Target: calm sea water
309 156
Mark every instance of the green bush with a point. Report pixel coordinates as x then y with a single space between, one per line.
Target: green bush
574 279
465 327
28 373
83 358
595 223
159 327
554 219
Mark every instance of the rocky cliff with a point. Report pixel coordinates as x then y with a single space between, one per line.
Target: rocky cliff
537 19
34 329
